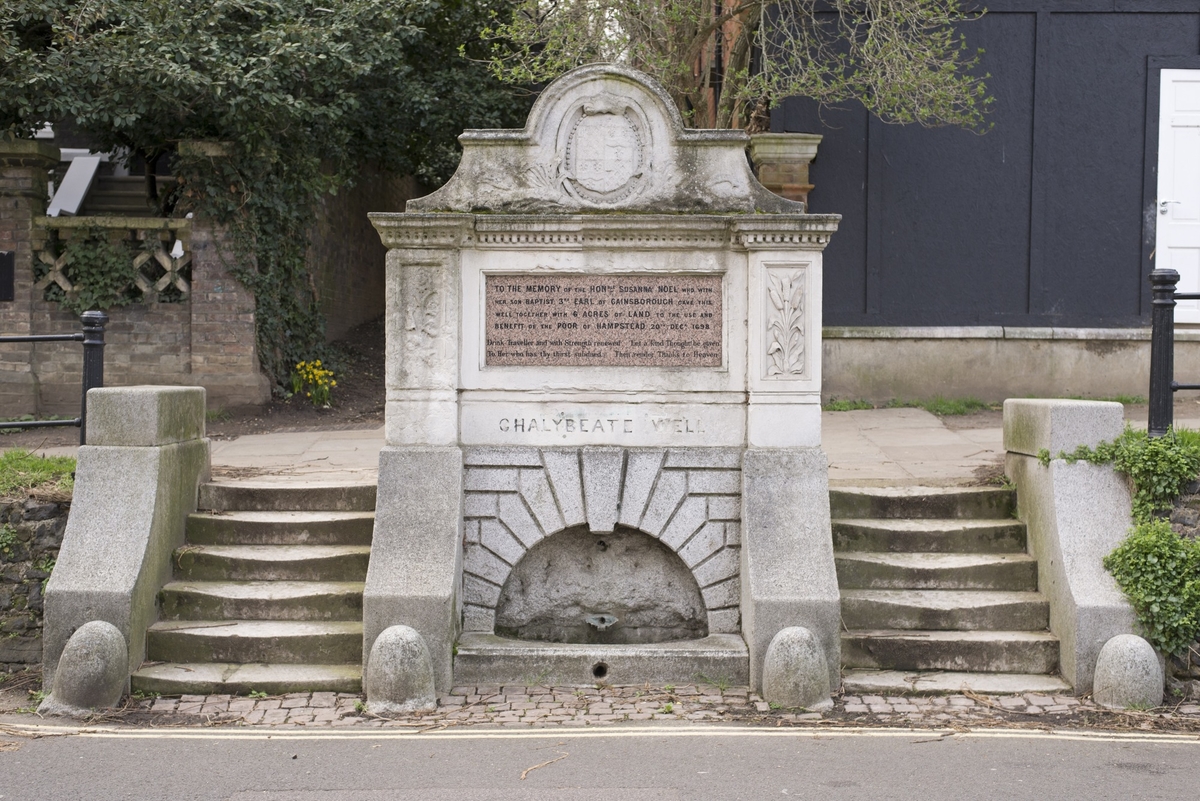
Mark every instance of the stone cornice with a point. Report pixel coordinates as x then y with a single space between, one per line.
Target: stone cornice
620 231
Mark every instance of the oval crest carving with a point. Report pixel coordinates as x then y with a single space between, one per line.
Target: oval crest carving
605 153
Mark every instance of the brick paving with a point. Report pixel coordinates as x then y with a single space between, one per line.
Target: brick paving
537 706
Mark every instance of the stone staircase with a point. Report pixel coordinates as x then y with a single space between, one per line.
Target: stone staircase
267 593
939 593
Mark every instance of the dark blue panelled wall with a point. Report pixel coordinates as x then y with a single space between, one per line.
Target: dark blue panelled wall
1039 222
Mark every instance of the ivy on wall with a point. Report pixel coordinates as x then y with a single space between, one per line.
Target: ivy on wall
302 97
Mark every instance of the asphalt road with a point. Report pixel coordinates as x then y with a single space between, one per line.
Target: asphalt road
613 764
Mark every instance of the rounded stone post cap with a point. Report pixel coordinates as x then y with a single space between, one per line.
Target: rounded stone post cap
795 672
1128 674
399 676
91 672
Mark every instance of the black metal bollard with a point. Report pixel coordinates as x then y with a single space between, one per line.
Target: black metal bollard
1162 351
93 362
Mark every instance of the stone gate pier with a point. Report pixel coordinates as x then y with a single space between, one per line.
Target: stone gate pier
603 456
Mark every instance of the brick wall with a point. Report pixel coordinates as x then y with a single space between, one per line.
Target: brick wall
345 254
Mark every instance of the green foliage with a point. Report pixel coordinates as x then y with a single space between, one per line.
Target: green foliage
257 694
101 272
902 59
8 539
836 405
1160 467
21 471
1159 571
302 95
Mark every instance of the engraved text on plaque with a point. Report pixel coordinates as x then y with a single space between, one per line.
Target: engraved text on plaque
573 320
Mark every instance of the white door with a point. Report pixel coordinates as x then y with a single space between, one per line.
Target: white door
1177 244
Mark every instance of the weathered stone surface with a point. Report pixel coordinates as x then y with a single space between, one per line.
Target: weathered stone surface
92 671
601 487
1128 674
128 516
1076 514
625 574
795 671
1034 424
652 162
399 673
415 575
788 574
145 416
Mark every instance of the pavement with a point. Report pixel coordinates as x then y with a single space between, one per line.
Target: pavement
867 447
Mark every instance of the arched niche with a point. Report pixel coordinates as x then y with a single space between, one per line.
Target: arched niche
566 587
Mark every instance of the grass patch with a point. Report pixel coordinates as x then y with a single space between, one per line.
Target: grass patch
217 415
945 407
21 471
836 405
1127 400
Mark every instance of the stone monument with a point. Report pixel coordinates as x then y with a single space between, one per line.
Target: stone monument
603 404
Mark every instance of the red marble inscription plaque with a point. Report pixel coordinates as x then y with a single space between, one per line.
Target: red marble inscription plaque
573 320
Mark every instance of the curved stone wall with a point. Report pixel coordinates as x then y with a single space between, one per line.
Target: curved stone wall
689 499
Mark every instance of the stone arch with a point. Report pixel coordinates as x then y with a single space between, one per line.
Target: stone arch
620 587
689 499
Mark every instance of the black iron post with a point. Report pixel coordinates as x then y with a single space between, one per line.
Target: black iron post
93 361
1162 351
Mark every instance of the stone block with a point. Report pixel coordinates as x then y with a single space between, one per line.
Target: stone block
1128 674
1075 515
601 487
415 575
144 416
562 468
641 469
796 672
91 673
535 490
399 675
127 518
788 576
515 515
1032 425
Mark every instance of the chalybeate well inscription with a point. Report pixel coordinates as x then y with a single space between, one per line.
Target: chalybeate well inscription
599 320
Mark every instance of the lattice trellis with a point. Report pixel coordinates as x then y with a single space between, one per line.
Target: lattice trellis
159 277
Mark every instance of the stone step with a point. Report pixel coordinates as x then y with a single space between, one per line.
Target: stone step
969 651
262 600
915 682
956 610
286 497
209 678
272 562
280 528
929 536
989 503
259 641
864 570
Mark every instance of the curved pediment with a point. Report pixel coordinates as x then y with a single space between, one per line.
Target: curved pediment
604 138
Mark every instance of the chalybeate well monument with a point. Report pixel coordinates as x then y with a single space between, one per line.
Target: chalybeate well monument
603 456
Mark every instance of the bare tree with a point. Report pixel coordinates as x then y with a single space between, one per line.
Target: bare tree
725 62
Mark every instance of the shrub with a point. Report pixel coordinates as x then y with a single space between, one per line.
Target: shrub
1159 571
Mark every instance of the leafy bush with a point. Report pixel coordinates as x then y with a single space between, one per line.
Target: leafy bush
1160 467
1159 571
